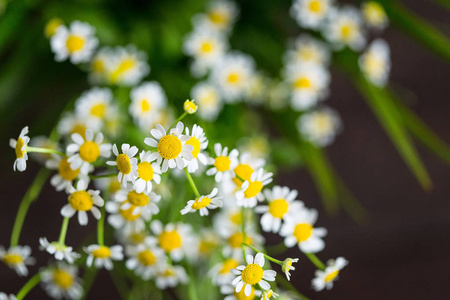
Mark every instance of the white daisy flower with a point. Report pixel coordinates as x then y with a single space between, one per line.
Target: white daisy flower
199 141
85 151
102 256
124 219
208 100
325 279
245 168
320 126
228 219
78 42
146 258
311 13
281 203
95 105
298 229
137 203
109 184
231 75
62 282
203 203
172 149
173 238
60 252
221 273
126 163
375 62
208 243
82 201
252 274
132 237
374 15
71 123
345 28
266 295
17 258
20 147
170 276
230 294
4 296
309 50
63 180
309 84
128 66
251 190
220 15
147 172
223 163
286 267
257 89
234 239
99 64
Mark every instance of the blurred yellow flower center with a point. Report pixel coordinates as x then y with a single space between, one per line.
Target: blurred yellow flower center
302 83
66 172
123 163
80 129
315 6
169 272
233 78
332 276
12 259
207 47
98 110
102 252
98 66
18 149
244 172
241 295
89 151
323 123
147 258
308 54
138 237
374 13
302 231
228 265
252 274
169 146
127 214
114 185
145 171
218 18
145 106
254 188
278 208
138 199
237 239
169 240
222 163
372 64
194 142
52 26
62 279
81 201
74 43
236 218
347 31
124 66
200 204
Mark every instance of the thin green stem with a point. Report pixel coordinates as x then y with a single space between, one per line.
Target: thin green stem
240 178
316 261
31 194
265 255
179 119
244 235
101 227
288 286
28 286
45 150
191 288
62 234
102 176
191 182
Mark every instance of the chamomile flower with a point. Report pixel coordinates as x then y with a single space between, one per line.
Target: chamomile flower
230 294
309 84
208 242
95 105
99 64
137 203
20 148
147 172
220 15
310 13
17 258
133 237
251 190
270 294
208 100
62 282
228 219
309 50
82 201
170 276
78 42
234 240
199 142
52 26
102 256
375 62
172 149
221 273
223 163
190 107
231 75
4 296
298 230
281 204
374 15
145 258
252 274
60 252
286 267
320 126
325 279
63 180
85 151
71 123
124 219
126 163
345 28
247 165
173 238
128 66
202 204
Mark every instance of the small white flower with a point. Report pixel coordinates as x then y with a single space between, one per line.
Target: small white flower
126 163
234 240
374 15
147 173
208 100
146 258
221 273
325 279
62 282
102 256
71 123
20 147
173 238
136 204
124 219
230 293
95 105
202 204
307 49
100 62
63 180
286 267
199 142
60 252
171 276
375 62
223 163
311 13
220 16
17 258
251 190
4 296
128 66
266 295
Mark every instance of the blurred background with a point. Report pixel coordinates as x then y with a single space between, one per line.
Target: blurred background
399 251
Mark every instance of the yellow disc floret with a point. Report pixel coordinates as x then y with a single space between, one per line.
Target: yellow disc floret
80 129
194 142
123 163
190 107
89 151
52 26
233 78
146 258
81 201
62 279
138 199
127 214
252 274
169 240
254 188
278 208
169 146
302 83
204 202
303 231
332 276
18 149
315 6
12 259
227 265
145 171
66 172
244 172
102 252
241 295
145 106
237 239
98 110
74 43
222 163
206 47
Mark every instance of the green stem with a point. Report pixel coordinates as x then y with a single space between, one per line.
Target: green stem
288 286
102 176
179 119
31 194
62 234
45 150
265 255
28 286
276 249
244 235
191 182
191 287
101 228
316 261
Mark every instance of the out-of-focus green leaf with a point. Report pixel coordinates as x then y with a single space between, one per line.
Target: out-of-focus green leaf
444 3
11 22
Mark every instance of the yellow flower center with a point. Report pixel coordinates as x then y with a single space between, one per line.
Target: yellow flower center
323 123
189 106
252 274
12 259
206 247
145 171
66 172
138 237
169 240
233 78
89 151
241 295
138 199
204 203
302 83
114 185
244 172
228 265
123 163
169 146
218 18
98 66
147 258
20 143
98 110
169 272
102 252
347 31
127 214
74 43
254 188
124 66
374 13
80 129
332 276
62 279
278 208
303 231
237 239
206 47
315 6
81 201
194 142
307 54
52 26
145 106
236 218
